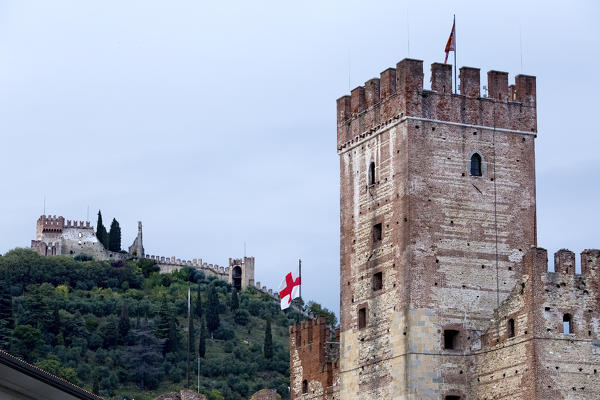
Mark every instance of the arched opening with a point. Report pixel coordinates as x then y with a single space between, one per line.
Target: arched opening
371 173
476 164
511 328
236 275
304 386
567 328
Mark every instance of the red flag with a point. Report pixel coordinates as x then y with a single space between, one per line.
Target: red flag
451 45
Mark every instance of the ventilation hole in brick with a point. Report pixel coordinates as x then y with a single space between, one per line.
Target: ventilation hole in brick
468 337
482 266
517 160
428 199
460 372
504 375
416 126
478 380
516 371
348 283
405 219
549 387
433 128
580 369
435 284
474 133
451 222
595 371
510 268
589 333
556 367
526 332
468 244
492 179
524 138
574 389
437 261
558 286
397 151
463 174
585 292
448 158
547 329
547 308
464 287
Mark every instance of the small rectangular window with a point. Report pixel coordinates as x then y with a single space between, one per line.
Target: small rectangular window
451 339
511 328
362 318
377 282
567 324
377 232
452 398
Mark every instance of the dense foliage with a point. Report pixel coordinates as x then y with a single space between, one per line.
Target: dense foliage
120 329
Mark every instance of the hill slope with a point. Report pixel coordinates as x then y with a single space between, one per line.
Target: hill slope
120 329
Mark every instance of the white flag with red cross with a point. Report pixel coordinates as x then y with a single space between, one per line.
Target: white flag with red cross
289 290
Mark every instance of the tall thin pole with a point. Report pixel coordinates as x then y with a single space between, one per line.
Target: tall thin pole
187 373
199 372
44 204
455 79
300 275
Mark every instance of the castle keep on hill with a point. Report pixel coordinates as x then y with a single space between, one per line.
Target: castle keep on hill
55 236
444 294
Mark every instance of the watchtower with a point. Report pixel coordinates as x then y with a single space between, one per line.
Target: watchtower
437 210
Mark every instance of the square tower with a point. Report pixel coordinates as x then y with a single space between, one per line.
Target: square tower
437 196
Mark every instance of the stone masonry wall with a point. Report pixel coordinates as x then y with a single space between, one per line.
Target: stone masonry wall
450 245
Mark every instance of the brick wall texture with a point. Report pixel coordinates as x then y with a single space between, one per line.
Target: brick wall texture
438 250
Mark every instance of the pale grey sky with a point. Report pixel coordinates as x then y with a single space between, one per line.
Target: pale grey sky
214 122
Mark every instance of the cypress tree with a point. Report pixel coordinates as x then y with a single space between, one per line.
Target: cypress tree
192 336
101 233
212 310
164 318
268 348
202 342
172 343
124 323
235 302
198 306
114 236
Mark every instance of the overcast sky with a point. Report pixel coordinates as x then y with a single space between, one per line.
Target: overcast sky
215 124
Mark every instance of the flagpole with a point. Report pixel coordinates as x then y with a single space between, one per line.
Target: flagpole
300 275
455 80
187 372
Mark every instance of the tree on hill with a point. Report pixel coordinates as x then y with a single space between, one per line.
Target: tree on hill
6 318
202 341
212 310
144 359
235 301
114 236
198 306
101 232
124 323
268 348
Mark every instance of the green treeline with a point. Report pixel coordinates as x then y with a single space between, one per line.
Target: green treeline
120 329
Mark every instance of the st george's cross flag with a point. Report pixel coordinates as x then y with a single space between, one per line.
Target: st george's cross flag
451 45
289 290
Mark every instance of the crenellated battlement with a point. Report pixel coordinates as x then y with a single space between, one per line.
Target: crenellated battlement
78 224
536 262
195 263
51 223
398 94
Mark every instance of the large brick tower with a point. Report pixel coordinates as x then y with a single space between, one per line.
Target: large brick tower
437 210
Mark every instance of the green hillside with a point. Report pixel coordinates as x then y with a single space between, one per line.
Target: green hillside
120 329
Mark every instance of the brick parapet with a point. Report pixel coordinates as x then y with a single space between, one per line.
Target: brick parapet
314 360
399 93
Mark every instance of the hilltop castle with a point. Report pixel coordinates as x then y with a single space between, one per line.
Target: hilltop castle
444 294
57 236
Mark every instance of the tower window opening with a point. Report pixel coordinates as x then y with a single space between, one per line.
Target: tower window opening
377 232
362 318
304 386
451 339
511 328
371 178
476 165
567 324
377 282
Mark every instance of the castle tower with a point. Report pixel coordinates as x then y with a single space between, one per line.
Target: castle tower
241 272
437 210
137 247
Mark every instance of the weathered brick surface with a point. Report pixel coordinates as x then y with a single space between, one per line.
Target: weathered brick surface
314 363
452 242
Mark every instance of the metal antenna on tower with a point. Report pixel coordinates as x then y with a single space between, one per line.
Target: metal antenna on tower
521 44
44 204
407 32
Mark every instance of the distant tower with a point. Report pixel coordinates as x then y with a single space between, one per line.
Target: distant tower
437 210
241 272
137 248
